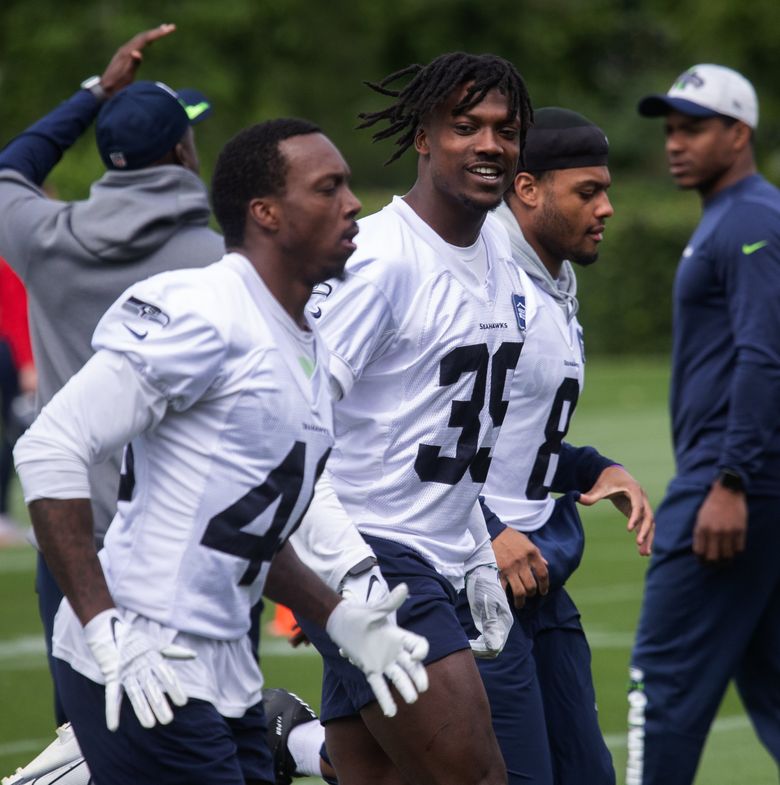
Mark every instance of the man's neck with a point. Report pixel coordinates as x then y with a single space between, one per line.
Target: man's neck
454 221
291 293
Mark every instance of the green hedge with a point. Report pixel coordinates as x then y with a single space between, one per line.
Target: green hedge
625 298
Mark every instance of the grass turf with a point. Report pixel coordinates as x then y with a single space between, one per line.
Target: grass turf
623 412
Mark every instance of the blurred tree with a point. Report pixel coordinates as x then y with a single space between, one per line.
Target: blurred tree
263 58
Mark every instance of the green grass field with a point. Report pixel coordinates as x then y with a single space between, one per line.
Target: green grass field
623 412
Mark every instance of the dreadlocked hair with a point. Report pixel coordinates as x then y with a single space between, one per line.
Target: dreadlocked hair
432 84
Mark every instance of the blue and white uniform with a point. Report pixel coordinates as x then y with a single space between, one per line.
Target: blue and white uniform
227 408
424 340
540 687
703 625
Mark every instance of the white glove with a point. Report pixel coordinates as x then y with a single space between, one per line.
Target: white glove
365 584
380 648
489 609
132 662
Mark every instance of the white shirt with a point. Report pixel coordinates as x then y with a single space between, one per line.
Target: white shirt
231 422
424 356
544 392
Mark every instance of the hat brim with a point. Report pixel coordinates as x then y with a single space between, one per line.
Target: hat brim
661 105
195 103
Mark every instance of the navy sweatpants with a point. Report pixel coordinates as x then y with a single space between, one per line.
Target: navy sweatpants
701 626
540 687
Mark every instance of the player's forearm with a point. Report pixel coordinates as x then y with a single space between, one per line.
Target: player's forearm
293 584
63 528
327 541
578 468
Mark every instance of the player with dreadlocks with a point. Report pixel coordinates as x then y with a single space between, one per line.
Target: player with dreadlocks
433 83
425 330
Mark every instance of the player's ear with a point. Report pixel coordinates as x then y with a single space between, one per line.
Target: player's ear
526 188
264 213
742 135
421 141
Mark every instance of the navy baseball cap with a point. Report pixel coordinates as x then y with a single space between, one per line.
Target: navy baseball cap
141 123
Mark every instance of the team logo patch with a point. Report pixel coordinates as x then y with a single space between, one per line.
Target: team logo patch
518 306
689 79
145 310
318 294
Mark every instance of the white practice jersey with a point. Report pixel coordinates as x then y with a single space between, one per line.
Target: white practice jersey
216 483
424 355
543 395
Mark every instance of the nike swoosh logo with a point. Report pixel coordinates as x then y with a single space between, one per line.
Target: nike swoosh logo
140 334
372 581
114 622
753 247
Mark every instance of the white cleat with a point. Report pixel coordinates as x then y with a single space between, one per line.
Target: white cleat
61 763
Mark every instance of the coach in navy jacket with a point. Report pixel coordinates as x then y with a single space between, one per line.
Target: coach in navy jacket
712 599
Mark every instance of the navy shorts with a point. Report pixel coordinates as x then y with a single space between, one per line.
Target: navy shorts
200 746
428 611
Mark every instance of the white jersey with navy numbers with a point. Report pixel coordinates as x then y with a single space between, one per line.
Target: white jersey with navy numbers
212 491
228 406
543 395
424 354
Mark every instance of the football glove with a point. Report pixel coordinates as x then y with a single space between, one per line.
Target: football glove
365 584
134 663
489 609
370 640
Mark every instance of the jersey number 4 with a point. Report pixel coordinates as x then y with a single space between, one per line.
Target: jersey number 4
225 533
430 465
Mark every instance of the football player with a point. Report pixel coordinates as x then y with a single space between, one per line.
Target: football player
220 386
425 332
540 688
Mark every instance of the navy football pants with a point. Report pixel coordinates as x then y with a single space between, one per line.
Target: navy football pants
200 747
700 627
540 687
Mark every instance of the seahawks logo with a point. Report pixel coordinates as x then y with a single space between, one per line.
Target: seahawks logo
145 310
318 294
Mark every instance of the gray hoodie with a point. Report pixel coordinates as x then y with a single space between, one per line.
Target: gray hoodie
76 258
563 289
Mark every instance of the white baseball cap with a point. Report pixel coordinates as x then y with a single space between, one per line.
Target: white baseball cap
706 90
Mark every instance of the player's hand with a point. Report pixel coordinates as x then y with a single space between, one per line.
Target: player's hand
489 609
120 71
520 565
617 485
366 587
372 642
131 662
721 525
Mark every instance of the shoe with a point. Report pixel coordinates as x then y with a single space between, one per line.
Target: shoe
61 763
284 711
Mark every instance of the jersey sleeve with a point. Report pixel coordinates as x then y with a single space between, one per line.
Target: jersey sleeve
79 427
356 320
162 326
749 266
327 541
578 468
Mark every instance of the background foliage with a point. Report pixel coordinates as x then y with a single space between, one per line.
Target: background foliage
263 58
